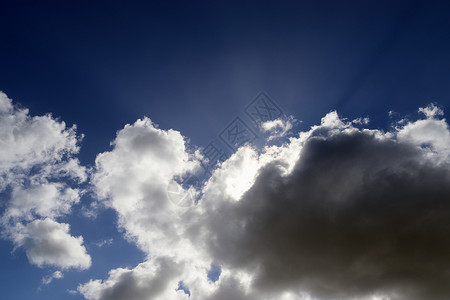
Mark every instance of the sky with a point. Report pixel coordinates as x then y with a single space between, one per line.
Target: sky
224 150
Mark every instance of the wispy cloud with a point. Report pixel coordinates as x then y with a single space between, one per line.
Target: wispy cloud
55 275
105 242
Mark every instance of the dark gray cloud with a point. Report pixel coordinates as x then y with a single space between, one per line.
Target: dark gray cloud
359 215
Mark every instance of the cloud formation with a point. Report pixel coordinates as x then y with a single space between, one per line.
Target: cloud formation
133 179
337 212
278 127
55 275
37 166
48 242
357 216
149 280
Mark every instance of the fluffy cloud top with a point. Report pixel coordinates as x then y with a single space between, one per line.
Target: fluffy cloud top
45 200
28 142
432 133
37 165
148 280
133 179
337 212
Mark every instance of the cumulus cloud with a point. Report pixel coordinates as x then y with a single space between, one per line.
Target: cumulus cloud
45 200
48 242
149 280
28 142
37 169
133 180
337 212
357 216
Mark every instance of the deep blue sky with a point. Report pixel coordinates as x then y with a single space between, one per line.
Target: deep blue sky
193 66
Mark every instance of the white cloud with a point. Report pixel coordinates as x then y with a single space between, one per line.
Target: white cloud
235 176
37 169
336 212
48 243
133 179
44 200
363 121
431 133
40 141
155 279
55 275
277 128
431 111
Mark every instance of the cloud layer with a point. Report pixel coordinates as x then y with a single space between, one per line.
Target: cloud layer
337 212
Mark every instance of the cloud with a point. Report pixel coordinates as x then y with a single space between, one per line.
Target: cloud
133 179
102 243
362 121
432 133
277 128
38 172
356 216
235 176
55 275
28 142
337 212
48 243
44 200
149 280
361 213
431 111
